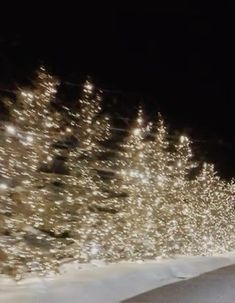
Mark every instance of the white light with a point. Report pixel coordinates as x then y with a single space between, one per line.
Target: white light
58 202
88 86
29 139
69 199
69 130
132 173
136 131
30 95
157 201
160 183
3 186
149 127
49 158
48 124
144 180
94 249
26 182
183 139
11 129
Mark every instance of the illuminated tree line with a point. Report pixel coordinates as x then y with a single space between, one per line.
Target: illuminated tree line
150 206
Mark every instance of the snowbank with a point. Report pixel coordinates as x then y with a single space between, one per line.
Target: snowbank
100 283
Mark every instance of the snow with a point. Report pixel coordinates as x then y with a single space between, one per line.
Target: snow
101 283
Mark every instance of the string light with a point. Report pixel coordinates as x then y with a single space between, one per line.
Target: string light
148 208
68 130
29 139
3 186
10 129
49 158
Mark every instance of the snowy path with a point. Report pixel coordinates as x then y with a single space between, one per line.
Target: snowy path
214 287
112 283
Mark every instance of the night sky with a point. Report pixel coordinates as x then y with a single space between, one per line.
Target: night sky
179 60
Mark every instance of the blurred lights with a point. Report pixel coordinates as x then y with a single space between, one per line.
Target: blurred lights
148 209
3 186
10 130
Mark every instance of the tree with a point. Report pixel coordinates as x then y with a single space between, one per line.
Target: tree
28 144
150 207
134 230
175 209
158 160
213 212
31 118
88 129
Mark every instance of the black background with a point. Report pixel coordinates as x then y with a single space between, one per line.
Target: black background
176 59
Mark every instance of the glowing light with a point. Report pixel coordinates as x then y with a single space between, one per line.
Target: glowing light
137 131
183 139
147 208
49 158
10 129
48 124
88 86
3 186
29 139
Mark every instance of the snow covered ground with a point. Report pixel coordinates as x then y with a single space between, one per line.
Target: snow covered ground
100 283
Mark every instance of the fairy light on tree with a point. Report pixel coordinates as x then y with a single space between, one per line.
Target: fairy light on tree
90 127
136 223
213 212
26 144
158 160
149 208
178 210
30 130
77 192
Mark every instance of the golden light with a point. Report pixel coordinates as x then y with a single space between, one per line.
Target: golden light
10 130
147 208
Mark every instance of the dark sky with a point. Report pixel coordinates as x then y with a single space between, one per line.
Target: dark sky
179 60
